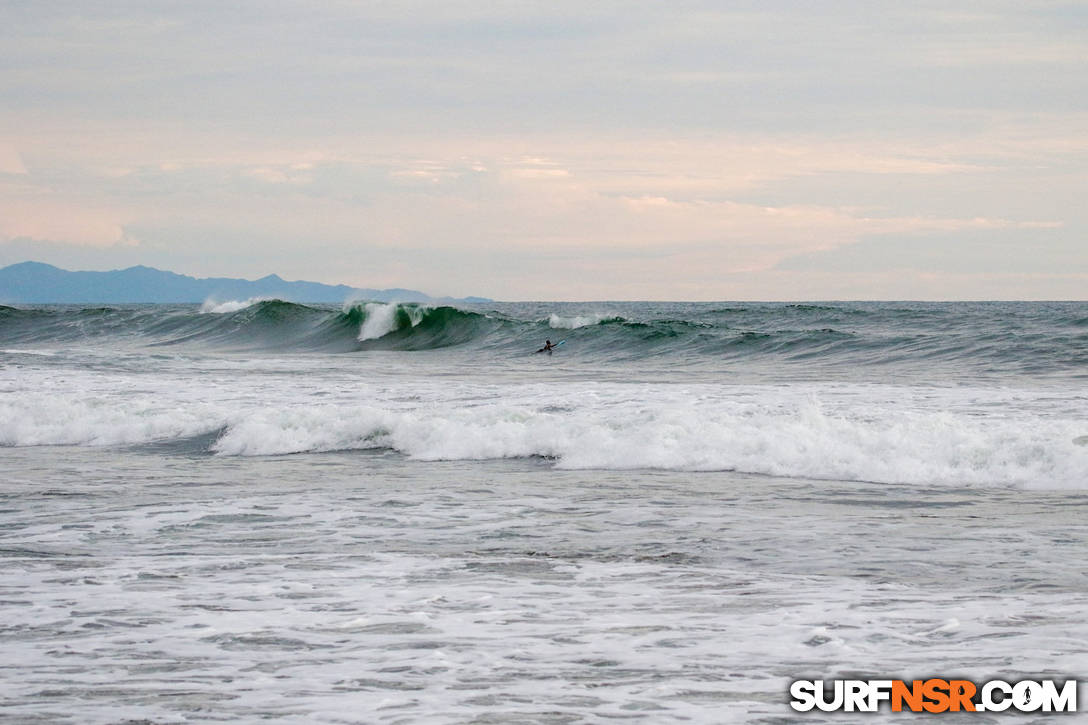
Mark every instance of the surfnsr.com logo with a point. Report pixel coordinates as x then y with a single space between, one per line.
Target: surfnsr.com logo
934 695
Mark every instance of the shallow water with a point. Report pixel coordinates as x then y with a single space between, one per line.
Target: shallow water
360 587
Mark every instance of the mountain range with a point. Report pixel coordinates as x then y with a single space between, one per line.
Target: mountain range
38 283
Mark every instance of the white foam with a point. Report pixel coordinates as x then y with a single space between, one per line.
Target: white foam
795 440
558 322
957 437
19 351
210 306
447 594
43 419
381 319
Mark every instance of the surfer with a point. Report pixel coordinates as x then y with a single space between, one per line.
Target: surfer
548 346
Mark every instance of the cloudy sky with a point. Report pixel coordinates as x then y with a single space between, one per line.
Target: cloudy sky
556 149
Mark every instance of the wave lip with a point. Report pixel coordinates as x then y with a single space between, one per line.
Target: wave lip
381 318
210 306
415 326
574 322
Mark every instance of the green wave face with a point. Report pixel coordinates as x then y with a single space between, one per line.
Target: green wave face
1024 336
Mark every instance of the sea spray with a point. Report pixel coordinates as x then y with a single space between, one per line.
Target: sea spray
382 318
210 306
795 440
953 436
574 322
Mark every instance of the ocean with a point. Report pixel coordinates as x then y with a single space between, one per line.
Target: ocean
400 513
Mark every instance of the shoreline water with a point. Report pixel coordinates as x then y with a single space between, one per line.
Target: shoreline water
366 587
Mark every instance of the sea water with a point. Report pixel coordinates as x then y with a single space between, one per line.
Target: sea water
258 510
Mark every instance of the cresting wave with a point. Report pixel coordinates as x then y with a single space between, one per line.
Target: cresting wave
763 433
804 442
381 319
1022 338
253 324
219 308
412 326
574 322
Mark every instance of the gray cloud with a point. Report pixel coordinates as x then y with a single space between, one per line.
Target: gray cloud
869 131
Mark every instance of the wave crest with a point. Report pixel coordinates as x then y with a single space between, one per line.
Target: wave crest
414 326
210 306
801 441
1024 340
379 319
574 322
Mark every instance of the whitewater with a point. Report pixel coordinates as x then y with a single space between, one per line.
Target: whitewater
377 512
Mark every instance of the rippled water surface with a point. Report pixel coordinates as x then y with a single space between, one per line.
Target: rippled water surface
361 588
418 520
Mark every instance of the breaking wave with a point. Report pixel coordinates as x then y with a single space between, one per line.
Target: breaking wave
558 322
771 434
1023 339
219 308
253 324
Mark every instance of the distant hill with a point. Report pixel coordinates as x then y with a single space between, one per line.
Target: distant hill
37 283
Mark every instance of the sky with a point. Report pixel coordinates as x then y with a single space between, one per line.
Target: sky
556 150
